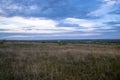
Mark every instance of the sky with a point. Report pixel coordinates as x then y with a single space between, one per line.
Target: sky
59 19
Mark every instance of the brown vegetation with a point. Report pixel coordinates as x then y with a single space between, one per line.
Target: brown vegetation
53 61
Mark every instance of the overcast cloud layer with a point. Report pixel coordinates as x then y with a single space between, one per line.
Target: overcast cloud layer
59 19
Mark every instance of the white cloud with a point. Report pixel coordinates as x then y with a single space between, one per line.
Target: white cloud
19 36
9 26
86 34
118 25
93 25
31 25
1 11
10 6
85 25
42 23
75 35
80 22
14 7
87 29
21 8
33 7
109 0
110 18
48 26
105 8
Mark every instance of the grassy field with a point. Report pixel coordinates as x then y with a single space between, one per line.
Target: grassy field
56 61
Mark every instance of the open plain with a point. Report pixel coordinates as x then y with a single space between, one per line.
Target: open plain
59 61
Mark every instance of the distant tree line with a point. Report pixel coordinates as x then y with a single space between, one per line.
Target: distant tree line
2 41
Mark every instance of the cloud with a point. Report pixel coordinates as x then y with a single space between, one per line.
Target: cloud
1 11
15 8
77 35
84 24
80 22
95 25
116 24
53 9
44 25
59 18
31 25
113 22
107 7
19 36
48 28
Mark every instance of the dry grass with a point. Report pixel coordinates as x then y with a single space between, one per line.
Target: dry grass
49 61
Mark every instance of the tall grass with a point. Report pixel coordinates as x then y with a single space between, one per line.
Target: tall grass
49 61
